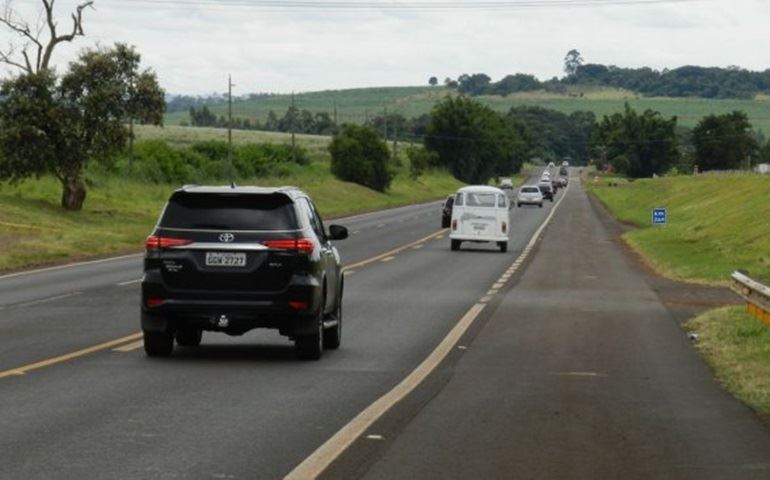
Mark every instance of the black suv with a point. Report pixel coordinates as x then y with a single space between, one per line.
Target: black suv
231 259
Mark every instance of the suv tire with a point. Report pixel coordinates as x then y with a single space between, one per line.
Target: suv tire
158 344
310 347
189 337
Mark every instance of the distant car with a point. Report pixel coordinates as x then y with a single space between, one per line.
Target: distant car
232 259
529 195
546 189
506 184
446 211
551 165
565 164
480 214
556 185
564 182
563 171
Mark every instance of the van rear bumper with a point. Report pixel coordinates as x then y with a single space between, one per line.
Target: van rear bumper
478 238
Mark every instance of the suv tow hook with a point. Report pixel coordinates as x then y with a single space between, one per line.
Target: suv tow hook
223 321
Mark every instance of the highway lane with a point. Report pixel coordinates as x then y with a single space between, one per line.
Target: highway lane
56 311
581 373
236 407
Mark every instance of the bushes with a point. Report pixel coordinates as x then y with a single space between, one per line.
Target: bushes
156 161
360 155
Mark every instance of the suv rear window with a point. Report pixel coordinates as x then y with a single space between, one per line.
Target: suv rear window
216 211
530 190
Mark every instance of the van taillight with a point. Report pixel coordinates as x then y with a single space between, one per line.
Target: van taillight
154 242
505 227
454 225
302 245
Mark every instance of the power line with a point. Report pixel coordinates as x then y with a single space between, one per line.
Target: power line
409 5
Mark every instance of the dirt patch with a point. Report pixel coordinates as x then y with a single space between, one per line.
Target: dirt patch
683 299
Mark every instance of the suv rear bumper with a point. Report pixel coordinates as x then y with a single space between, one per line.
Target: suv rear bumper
234 313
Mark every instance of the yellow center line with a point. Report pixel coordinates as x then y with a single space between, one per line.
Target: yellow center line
70 356
133 341
387 259
395 251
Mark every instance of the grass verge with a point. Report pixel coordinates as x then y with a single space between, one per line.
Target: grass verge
737 347
717 224
119 213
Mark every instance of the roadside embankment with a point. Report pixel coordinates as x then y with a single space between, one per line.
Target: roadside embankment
716 224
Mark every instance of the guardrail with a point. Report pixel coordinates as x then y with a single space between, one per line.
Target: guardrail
757 295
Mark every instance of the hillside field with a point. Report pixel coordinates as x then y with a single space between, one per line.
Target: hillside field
354 105
120 212
717 224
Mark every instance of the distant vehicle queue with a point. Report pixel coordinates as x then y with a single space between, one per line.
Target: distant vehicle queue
480 213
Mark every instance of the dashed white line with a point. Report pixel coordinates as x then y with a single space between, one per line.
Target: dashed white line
49 299
130 282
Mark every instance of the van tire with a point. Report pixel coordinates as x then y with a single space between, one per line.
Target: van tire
540 205
455 245
503 246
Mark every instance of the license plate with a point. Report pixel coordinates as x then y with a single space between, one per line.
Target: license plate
225 259
479 226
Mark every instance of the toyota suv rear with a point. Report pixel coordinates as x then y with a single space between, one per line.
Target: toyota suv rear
232 259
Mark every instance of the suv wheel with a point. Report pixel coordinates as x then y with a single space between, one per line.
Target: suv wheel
310 347
189 337
333 336
158 344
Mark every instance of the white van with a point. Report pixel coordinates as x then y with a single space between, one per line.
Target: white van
480 214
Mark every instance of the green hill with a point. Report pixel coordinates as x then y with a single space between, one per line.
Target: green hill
353 105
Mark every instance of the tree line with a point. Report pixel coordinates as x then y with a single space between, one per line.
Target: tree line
685 81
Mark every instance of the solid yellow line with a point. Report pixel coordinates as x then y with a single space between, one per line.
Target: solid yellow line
136 336
363 263
129 347
387 259
70 356
321 458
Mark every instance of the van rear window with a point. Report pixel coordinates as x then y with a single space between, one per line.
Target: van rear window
217 211
476 199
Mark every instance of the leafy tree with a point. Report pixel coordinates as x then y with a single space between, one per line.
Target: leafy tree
360 155
473 141
433 81
476 84
419 160
723 142
647 141
572 61
56 126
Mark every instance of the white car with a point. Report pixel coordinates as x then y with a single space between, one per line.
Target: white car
529 195
480 214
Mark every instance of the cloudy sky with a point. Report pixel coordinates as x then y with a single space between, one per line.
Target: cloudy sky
195 44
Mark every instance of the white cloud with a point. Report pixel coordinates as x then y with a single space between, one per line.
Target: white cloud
193 48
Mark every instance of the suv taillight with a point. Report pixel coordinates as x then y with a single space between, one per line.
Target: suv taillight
154 242
301 245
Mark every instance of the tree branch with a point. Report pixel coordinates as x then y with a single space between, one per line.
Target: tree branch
77 29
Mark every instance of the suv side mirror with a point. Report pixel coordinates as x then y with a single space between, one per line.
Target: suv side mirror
338 232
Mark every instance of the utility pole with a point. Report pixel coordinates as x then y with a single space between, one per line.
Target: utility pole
230 119
293 129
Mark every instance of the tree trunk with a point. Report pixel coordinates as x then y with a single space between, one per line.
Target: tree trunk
73 193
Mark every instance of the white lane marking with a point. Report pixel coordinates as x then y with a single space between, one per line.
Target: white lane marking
69 265
324 455
130 282
493 292
387 259
374 437
579 374
439 237
380 225
485 299
129 347
49 299
356 232
417 247
462 347
317 462
497 285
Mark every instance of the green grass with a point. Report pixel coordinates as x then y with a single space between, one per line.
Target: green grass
717 224
353 104
737 347
119 213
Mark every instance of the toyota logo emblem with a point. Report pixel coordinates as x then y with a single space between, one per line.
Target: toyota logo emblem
226 237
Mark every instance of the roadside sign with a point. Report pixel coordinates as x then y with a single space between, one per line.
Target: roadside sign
659 216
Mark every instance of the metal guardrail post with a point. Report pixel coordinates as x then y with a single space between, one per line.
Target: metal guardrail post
757 295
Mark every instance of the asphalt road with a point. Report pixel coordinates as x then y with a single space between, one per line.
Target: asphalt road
239 407
580 373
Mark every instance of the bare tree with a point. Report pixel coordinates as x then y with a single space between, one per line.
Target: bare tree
38 42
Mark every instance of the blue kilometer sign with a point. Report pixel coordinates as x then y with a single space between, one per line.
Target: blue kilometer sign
659 216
